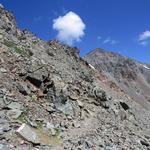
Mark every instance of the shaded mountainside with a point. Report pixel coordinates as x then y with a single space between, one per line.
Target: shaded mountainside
51 99
133 77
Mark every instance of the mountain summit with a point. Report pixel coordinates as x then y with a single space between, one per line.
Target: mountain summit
52 99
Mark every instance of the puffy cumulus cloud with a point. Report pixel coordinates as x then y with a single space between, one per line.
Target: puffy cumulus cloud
70 28
144 38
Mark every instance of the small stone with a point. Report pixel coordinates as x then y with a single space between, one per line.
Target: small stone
15 110
143 142
123 115
28 134
3 70
124 106
32 123
76 124
108 148
23 88
2 103
50 109
51 127
4 126
69 117
73 97
66 108
80 104
11 146
40 119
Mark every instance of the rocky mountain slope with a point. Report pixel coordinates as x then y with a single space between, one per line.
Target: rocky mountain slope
51 99
131 76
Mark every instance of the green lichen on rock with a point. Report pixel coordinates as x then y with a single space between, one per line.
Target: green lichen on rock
18 50
8 43
22 117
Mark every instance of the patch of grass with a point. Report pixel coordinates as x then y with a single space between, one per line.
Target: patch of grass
9 43
22 117
46 139
57 132
19 50
39 124
33 98
22 52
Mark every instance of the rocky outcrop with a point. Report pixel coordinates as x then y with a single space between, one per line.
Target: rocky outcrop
51 99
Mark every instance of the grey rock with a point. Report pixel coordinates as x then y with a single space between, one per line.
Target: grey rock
124 106
4 126
3 70
32 123
123 115
50 109
145 143
28 134
66 108
15 105
52 128
14 113
23 88
2 103
76 124
109 148
80 104
3 147
15 110
100 94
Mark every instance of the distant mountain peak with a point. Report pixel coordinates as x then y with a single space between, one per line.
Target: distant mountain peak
129 74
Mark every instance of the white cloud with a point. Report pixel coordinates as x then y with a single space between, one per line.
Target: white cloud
99 37
109 40
143 43
114 42
144 38
70 28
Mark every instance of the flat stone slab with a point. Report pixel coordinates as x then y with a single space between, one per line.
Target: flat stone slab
3 147
28 134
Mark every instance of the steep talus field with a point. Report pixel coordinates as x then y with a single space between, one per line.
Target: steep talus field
51 99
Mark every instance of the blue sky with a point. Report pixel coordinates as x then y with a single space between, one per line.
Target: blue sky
121 26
